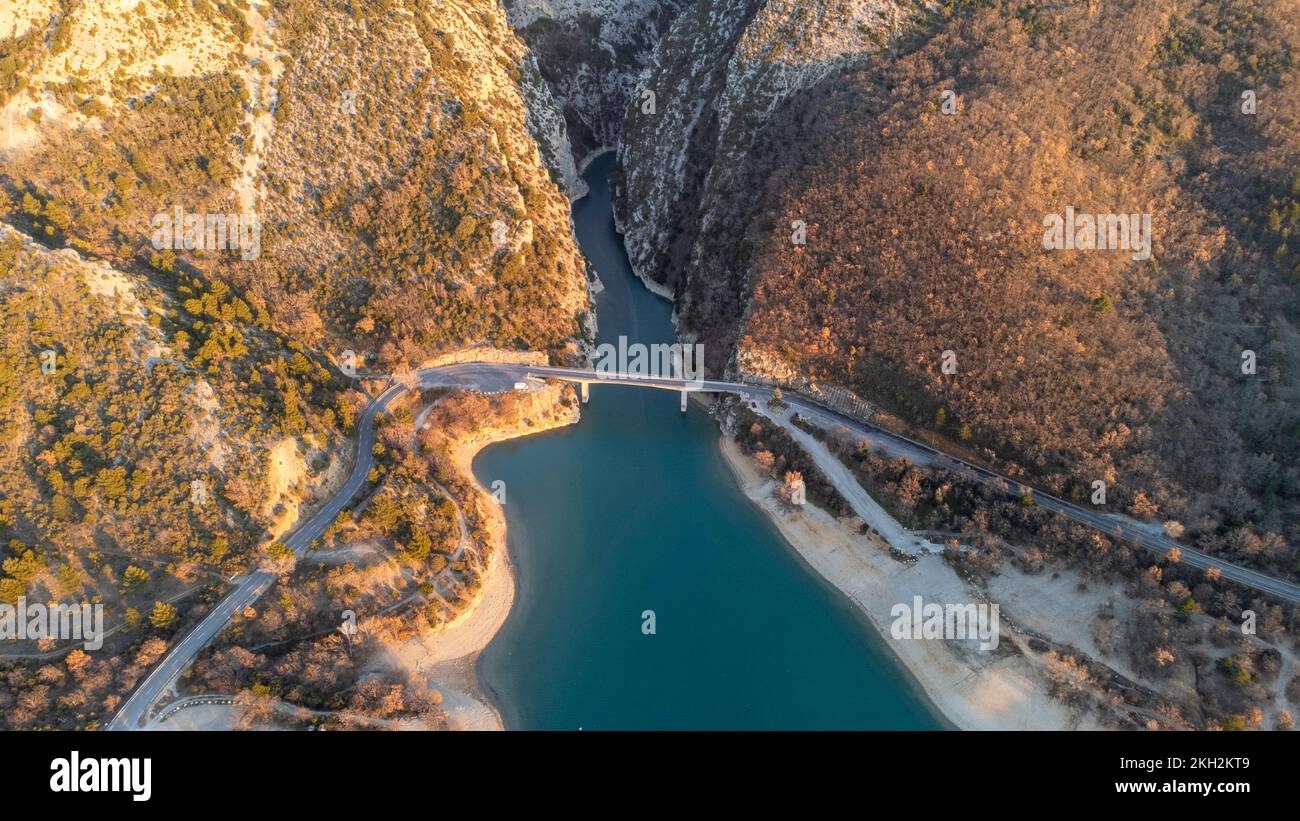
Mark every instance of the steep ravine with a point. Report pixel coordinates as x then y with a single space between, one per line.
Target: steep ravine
591 53
721 76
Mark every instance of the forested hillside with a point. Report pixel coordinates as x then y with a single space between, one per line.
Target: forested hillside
394 171
152 446
924 235
385 149
426 220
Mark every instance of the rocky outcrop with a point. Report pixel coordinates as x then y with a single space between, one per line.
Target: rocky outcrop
721 77
720 74
546 124
406 162
591 53
670 139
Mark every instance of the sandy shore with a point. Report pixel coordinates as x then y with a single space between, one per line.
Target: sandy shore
973 690
446 658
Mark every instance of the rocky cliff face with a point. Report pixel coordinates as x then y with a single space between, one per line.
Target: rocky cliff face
390 177
670 146
847 190
591 53
722 75
407 163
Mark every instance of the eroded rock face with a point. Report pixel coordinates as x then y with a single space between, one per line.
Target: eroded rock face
925 230
406 161
668 148
591 53
721 75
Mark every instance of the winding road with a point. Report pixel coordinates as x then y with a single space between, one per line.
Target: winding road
497 378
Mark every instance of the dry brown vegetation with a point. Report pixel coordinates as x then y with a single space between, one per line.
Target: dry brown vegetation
394 560
376 234
385 216
404 209
925 235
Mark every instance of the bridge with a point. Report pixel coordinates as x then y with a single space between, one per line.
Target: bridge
816 411
498 378
585 378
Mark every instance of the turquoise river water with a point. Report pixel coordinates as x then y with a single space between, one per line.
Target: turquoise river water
634 509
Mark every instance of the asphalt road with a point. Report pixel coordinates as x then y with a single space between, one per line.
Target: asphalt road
496 378
252 585
488 378
1120 527
1135 533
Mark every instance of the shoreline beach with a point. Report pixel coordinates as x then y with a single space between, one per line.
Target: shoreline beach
447 658
970 691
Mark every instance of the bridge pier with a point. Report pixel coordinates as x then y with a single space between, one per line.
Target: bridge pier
586 395
684 401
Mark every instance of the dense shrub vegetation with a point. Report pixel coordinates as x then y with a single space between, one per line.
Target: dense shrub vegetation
925 229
